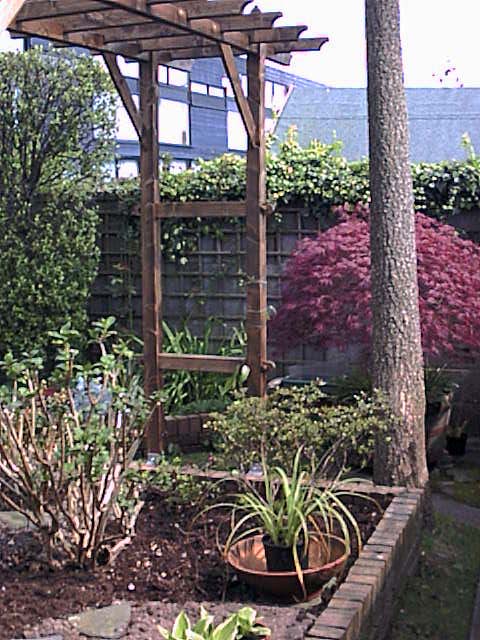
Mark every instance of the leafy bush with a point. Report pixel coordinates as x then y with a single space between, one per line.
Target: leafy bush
317 177
326 294
438 383
57 122
289 419
191 388
242 625
66 445
178 489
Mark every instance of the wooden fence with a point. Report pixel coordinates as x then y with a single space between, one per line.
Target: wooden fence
211 283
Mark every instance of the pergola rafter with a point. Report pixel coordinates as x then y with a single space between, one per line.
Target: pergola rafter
157 32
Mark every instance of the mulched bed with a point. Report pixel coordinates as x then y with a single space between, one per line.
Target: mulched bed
169 561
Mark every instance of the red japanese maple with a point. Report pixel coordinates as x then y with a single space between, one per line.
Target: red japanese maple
326 289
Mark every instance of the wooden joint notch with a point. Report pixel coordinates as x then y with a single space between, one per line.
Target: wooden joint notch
208 364
123 91
267 208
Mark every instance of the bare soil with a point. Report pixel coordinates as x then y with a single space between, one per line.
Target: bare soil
172 559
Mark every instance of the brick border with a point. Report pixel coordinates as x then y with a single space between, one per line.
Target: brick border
364 604
186 432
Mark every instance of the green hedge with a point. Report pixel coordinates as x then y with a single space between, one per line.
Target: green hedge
57 119
317 177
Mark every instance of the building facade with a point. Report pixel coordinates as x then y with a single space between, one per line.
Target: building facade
199 118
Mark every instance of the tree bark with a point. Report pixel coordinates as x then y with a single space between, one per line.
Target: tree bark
397 363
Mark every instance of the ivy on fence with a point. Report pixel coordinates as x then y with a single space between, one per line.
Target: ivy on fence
317 178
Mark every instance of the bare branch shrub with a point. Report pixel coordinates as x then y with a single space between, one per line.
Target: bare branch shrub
66 446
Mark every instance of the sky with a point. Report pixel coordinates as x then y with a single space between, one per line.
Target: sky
436 35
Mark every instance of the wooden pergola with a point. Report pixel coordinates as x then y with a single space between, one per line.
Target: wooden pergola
157 32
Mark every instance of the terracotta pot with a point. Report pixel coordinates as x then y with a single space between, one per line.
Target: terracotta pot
457 446
326 560
437 420
279 558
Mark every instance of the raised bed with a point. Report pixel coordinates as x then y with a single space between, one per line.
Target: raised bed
161 578
363 606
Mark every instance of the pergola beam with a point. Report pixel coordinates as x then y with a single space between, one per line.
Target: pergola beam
8 12
124 91
113 31
200 363
241 100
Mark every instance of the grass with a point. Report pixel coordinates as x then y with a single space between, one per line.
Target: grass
468 493
437 602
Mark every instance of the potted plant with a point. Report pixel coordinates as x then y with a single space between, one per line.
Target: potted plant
242 625
457 439
283 527
439 388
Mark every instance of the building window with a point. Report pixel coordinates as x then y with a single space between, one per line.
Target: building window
128 68
174 122
217 92
269 125
125 130
128 169
178 166
280 94
7 43
162 74
227 87
199 87
174 77
237 136
275 95
177 77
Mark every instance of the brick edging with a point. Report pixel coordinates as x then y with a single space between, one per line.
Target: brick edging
187 432
364 604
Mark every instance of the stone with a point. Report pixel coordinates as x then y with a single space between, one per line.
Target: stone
108 623
56 637
13 520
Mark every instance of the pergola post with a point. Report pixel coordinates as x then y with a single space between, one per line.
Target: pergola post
256 231
150 239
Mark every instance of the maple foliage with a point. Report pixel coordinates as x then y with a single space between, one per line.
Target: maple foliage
326 293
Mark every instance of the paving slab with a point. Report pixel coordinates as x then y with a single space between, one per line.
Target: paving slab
14 521
461 513
108 623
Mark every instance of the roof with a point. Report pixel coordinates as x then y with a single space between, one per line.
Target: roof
438 119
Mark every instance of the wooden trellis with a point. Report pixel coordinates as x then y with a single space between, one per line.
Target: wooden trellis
157 32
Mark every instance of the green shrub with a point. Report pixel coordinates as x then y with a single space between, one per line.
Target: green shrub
243 625
289 419
57 121
438 383
66 445
186 389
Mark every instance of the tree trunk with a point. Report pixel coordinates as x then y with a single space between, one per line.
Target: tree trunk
397 366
